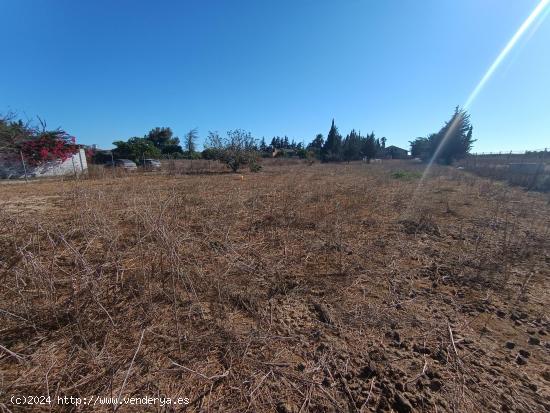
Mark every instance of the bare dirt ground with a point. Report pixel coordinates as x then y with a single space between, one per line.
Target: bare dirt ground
326 288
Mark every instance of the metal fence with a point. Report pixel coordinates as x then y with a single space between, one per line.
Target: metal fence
501 153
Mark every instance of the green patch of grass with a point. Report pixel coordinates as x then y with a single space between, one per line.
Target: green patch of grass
406 175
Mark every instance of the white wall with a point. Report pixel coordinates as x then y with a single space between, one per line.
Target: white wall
12 167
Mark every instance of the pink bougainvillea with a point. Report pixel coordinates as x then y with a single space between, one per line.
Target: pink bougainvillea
49 146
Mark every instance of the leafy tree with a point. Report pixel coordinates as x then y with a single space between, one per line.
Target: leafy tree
239 150
332 148
100 157
174 151
236 150
164 140
383 142
136 149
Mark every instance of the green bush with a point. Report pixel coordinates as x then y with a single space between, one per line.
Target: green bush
255 167
302 153
406 175
192 155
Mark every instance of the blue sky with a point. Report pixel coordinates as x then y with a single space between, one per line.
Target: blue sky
109 70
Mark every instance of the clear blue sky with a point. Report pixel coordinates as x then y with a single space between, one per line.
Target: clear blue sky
109 70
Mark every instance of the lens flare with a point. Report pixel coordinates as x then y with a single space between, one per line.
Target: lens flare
535 14
509 46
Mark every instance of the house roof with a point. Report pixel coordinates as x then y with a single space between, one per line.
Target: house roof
395 147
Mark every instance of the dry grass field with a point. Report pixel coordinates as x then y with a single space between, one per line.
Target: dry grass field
323 288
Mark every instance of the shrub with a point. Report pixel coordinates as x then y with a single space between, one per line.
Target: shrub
49 146
192 155
406 175
211 153
302 153
36 143
235 159
237 150
255 167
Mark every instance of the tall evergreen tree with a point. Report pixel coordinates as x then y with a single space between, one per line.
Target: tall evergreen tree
369 147
420 148
453 141
316 145
276 142
332 149
352 146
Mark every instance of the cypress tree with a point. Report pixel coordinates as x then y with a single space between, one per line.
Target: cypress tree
369 147
332 149
352 146
454 140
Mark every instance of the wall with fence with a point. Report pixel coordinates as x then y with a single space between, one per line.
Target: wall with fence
193 166
536 156
12 166
529 169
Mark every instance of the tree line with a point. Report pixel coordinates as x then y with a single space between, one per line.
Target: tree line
238 147
160 142
353 147
453 141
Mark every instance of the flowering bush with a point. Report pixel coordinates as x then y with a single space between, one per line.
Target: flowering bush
49 146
